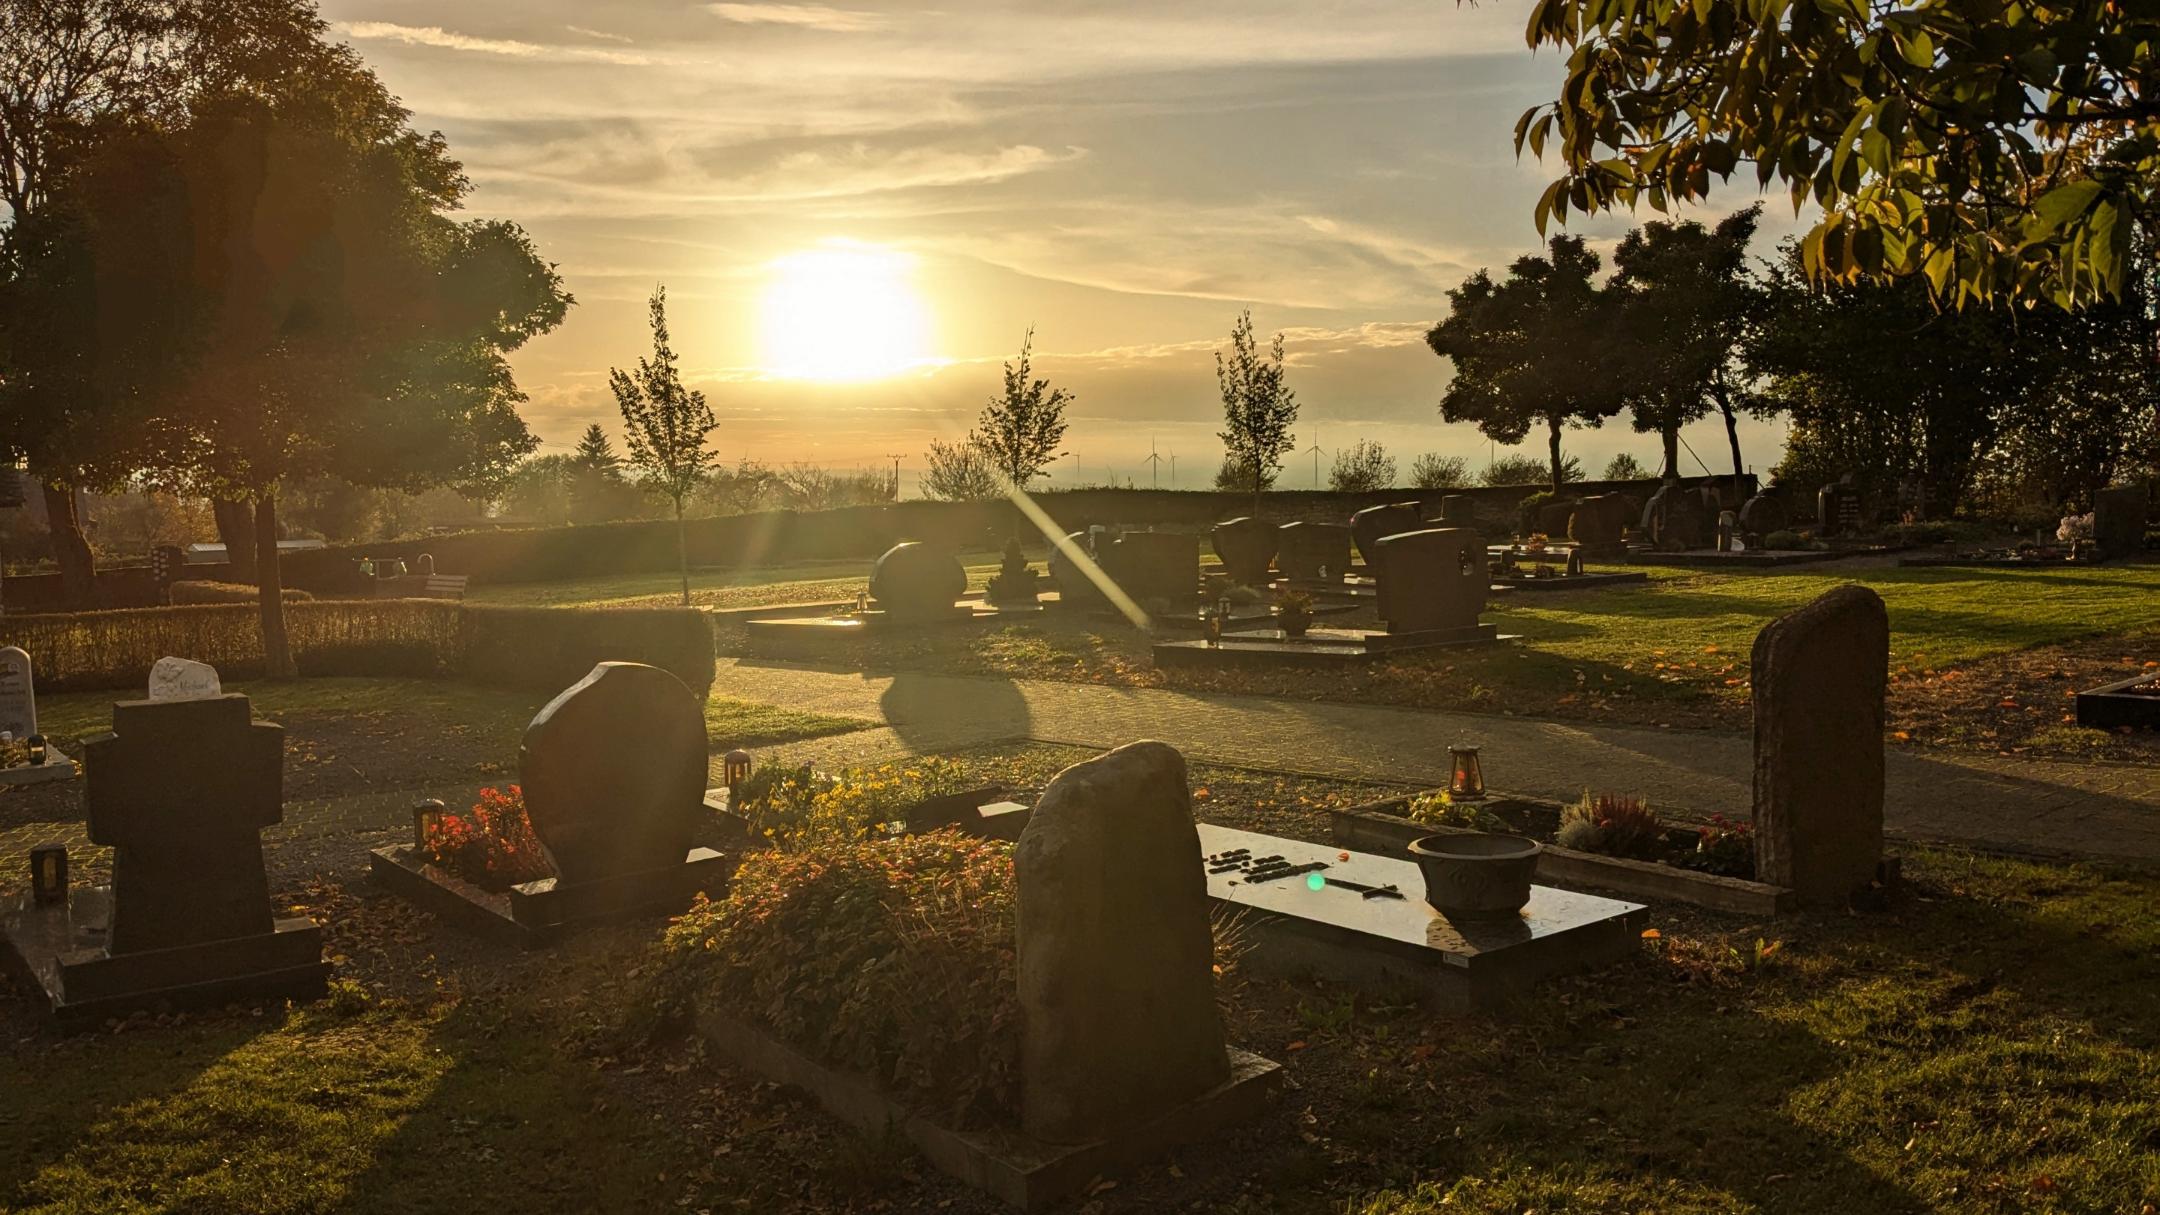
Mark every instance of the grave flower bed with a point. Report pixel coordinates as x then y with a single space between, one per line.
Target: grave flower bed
492 845
791 807
893 958
1600 843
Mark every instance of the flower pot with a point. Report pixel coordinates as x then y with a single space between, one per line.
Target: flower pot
1295 624
1476 877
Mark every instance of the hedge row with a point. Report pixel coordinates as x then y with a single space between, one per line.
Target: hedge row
544 649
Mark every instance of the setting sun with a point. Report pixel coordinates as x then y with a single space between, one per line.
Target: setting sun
843 312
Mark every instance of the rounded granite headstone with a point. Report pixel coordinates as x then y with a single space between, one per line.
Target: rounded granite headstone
1369 525
613 772
1246 546
917 579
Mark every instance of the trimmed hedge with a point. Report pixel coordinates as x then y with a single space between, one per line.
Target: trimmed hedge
226 592
541 648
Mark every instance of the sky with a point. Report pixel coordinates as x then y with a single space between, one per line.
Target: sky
859 209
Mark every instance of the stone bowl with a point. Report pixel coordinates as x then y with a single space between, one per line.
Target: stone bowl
1476 876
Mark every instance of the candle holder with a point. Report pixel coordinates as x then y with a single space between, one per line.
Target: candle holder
426 816
734 770
49 874
38 751
1468 781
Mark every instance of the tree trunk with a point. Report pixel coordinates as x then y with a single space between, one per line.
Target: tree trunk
682 552
1259 487
236 529
1671 436
1552 427
78 568
270 591
1732 426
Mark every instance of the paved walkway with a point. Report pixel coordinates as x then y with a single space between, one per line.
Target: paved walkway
2098 810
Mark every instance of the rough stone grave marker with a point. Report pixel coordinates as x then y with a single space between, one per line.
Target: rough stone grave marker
1117 999
1818 677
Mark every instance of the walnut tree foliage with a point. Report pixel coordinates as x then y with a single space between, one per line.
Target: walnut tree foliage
1021 428
1998 148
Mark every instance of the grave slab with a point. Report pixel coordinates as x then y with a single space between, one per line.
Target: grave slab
1317 648
1346 933
537 913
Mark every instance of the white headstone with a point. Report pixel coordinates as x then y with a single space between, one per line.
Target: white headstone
18 695
183 679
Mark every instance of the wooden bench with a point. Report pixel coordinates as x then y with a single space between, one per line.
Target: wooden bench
422 586
446 586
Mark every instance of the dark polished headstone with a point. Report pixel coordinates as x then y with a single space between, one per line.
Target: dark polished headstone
1675 518
1302 550
1075 587
1434 579
1763 514
914 579
1154 565
2119 521
1369 525
1246 546
1598 521
1837 509
613 772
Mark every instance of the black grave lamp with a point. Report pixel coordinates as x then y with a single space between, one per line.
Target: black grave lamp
37 750
1468 781
49 874
734 770
426 816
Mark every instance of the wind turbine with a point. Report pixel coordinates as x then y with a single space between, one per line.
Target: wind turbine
1173 468
1315 450
1155 467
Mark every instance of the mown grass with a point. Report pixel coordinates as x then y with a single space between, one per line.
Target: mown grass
424 704
808 582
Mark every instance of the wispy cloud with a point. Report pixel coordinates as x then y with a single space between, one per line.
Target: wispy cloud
807 16
449 40
602 35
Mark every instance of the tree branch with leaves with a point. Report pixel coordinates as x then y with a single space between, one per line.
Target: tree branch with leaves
665 426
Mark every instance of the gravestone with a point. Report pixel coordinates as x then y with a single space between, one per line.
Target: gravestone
1075 588
917 581
18 693
1118 1021
613 772
1547 518
1458 510
1763 514
1818 680
1431 580
1154 566
1304 549
1246 546
183 679
1598 522
181 791
1369 525
1675 518
1728 524
1837 509
2119 521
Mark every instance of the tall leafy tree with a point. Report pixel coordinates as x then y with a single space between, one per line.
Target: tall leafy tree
1021 428
666 426
72 72
1997 148
1684 298
598 489
1535 348
1362 466
1258 407
960 472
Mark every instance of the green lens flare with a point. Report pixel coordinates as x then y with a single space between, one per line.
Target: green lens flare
1314 881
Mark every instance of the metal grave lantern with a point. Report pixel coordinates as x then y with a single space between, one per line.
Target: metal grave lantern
426 816
1468 780
734 770
49 874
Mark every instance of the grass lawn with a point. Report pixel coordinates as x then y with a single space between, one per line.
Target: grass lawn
808 582
1987 1045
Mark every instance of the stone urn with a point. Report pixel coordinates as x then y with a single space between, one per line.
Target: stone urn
1476 876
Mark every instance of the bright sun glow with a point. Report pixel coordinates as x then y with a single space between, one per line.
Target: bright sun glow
844 312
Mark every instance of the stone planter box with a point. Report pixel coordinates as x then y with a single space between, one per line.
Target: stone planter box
2113 705
1382 827
537 913
1024 1172
985 811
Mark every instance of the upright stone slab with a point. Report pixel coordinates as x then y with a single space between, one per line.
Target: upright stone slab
1154 566
1819 675
917 581
1837 509
1075 588
183 679
1305 549
1763 514
1431 580
1369 525
1116 954
1246 546
1599 522
613 772
18 693
1675 518
2119 521
1458 510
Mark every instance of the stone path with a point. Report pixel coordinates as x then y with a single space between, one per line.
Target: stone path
2105 811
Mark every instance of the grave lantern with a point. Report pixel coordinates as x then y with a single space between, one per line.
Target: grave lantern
426 816
49 874
1468 782
734 770
37 750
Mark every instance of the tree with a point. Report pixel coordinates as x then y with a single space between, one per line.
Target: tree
1995 149
1625 467
666 426
1258 407
1020 430
1515 469
1684 299
1361 467
961 471
1233 477
1538 347
1434 471
285 283
598 490
543 489
72 71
